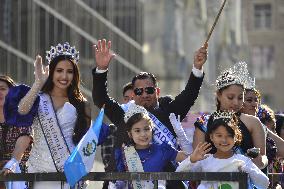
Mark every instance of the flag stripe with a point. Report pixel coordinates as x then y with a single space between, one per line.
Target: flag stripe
81 161
75 171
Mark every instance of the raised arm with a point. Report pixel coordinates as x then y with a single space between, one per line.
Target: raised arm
41 75
100 94
183 102
199 153
182 139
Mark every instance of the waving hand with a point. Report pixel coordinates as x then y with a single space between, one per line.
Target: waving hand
103 54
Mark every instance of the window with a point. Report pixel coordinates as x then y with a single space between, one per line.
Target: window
263 62
262 16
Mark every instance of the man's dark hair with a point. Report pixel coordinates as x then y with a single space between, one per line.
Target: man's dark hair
126 87
145 75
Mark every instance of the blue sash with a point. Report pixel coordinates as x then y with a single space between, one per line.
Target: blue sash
161 134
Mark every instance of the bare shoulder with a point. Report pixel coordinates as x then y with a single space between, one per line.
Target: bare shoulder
250 121
249 118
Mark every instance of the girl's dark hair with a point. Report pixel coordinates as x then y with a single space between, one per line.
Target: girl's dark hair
218 104
231 126
135 119
75 96
7 80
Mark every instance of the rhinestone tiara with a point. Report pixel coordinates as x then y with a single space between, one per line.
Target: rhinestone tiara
134 109
250 83
235 75
60 49
222 115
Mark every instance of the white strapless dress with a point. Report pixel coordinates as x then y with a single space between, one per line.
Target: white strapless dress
40 160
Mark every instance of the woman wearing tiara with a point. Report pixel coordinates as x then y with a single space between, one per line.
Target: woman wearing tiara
229 95
252 101
252 106
56 110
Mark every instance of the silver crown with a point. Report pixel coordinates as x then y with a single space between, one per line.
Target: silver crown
134 109
222 115
250 83
235 75
60 49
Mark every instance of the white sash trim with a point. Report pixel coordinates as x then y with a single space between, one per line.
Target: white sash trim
134 164
54 137
161 134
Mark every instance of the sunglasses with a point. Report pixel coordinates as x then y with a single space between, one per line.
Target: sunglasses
148 90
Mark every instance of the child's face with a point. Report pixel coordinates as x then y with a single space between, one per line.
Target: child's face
222 139
141 133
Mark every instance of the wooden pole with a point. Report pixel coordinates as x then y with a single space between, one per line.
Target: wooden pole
215 22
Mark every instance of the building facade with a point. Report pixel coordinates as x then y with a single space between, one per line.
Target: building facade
265 28
30 27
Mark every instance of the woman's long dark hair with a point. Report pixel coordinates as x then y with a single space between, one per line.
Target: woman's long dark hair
75 96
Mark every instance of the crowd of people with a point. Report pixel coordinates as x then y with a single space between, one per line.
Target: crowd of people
41 125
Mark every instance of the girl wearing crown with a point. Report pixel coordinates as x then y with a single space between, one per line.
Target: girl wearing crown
223 133
54 108
229 95
141 154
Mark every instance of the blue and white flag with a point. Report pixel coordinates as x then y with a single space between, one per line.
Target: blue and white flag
81 161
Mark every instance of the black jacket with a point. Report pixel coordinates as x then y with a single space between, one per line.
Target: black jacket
180 105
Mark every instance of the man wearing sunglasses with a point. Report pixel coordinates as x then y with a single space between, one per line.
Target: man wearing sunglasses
146 94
